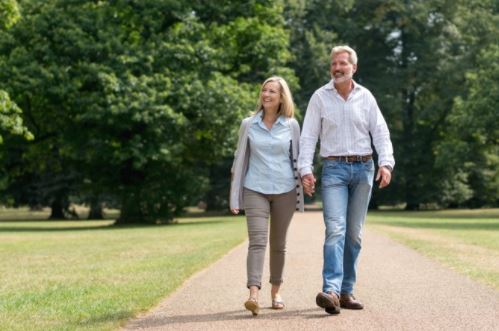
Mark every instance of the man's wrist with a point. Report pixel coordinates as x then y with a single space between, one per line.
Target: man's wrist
389 167
305 171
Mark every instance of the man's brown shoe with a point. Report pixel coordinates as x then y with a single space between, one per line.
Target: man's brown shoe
329 301
348 301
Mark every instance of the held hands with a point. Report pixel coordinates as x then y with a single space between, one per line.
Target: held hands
385 175
234 211
308 182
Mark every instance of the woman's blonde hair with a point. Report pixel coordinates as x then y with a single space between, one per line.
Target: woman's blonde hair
287 107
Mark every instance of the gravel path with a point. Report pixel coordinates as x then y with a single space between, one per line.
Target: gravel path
401 290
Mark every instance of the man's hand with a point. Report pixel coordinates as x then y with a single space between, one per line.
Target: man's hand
308 182
234 211
385 175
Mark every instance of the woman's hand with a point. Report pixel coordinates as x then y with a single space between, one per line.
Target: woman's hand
308 182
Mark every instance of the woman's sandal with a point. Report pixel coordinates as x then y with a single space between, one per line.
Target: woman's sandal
277 303
252 305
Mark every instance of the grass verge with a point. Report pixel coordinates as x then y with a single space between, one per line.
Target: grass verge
89 275
467 241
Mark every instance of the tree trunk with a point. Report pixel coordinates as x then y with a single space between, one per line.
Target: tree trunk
96 210
217 198
57 212
130 212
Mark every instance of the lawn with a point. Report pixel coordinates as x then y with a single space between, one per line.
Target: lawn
467 241
89 275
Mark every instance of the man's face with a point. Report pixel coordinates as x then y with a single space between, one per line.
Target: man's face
341 69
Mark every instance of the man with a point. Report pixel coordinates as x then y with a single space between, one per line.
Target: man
345 116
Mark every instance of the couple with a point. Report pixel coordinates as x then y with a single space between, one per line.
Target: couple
273 167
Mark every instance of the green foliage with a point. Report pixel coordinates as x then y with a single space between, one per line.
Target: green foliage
9 13
414 56
134 100
10 119
472 145
137 103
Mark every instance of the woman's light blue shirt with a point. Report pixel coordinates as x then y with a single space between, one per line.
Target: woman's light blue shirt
270 169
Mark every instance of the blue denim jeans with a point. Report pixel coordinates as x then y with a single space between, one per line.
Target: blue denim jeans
346 190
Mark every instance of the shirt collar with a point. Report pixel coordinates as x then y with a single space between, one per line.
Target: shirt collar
281 119
258 118
330 86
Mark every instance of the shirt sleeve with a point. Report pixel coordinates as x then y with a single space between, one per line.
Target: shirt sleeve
236 152
309 136
381 136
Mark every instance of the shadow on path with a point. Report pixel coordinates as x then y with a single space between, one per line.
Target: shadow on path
265 314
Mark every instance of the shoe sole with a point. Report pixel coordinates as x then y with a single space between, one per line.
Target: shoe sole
322 300
252 306
333 311
351 307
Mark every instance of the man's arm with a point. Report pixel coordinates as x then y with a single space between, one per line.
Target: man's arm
308 140
382 144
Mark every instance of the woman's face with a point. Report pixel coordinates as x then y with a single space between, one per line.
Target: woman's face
271 95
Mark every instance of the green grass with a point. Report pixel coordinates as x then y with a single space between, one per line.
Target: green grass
467 241
89 275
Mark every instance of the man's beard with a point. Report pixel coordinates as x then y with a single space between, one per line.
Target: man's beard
343 78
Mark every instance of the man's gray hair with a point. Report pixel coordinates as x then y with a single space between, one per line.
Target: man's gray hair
343 48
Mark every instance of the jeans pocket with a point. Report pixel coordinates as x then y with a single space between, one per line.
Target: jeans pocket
369 165
329 164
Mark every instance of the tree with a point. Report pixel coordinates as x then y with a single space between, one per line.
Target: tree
470 150
414 56
10 118
137 100
9 13
10 114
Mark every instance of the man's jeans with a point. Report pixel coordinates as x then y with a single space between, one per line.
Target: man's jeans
346 190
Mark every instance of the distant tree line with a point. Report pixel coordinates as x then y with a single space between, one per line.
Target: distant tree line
136 104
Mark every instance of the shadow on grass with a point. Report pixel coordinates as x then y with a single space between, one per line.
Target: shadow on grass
438 214
491 225
111 317
56 225
54 229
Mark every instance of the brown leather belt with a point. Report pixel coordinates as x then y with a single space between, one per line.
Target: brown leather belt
350 158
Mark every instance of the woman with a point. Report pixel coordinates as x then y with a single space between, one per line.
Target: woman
265 183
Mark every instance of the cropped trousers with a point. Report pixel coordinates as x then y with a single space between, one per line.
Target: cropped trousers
259 207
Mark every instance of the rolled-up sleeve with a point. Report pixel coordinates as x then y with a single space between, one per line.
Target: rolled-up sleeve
381 136
309 136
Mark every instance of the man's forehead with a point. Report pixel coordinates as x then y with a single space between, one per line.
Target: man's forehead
341 56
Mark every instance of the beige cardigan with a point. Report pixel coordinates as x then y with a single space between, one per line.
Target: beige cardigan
241 160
